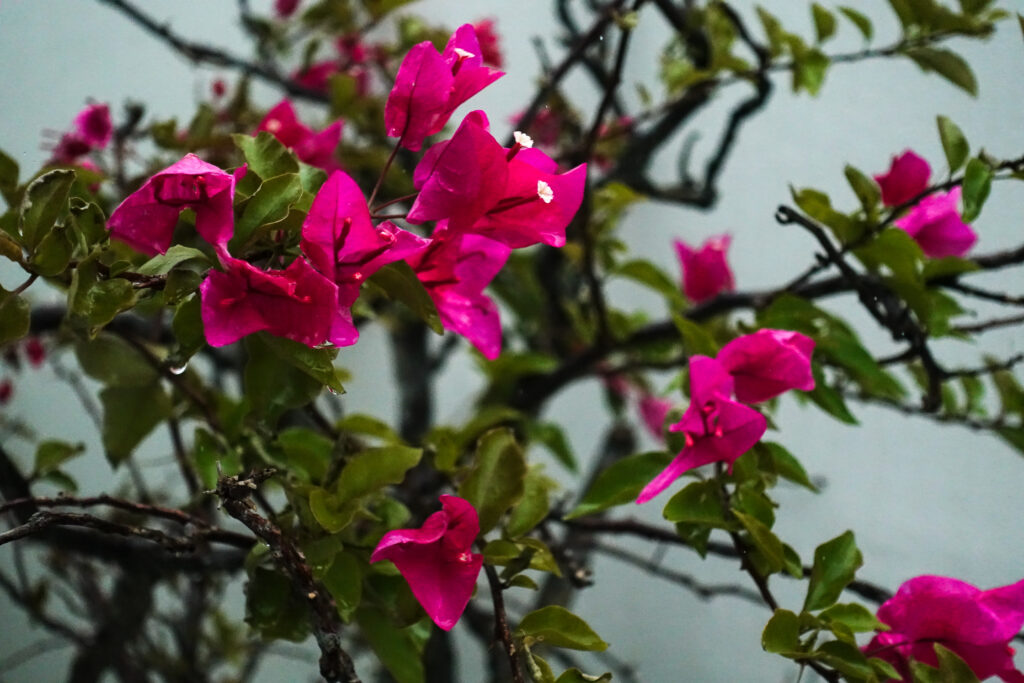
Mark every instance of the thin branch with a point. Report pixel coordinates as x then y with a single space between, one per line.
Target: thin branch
995 323
501 629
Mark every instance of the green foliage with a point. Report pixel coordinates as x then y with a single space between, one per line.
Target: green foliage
620 483
496 481
954 144
558 627
835 564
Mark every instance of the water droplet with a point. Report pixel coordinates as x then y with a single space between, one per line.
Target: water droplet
178 369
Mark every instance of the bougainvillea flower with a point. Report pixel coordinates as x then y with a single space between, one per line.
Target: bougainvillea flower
146 218
490 44
430 86
977 625
936 226
767 363
717 428
706 272
461 178
285 8
437 559
297 303
316 149
455 269
652 412
907 177
93 126
342 243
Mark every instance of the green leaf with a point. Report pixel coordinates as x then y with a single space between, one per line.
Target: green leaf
51 454
809 71
399 282
396 648
53 254
305 452
855 617
15 316
272 386
161 264
269 204
329 512
375 468
316 363
129 415
764 540
496 481
534 505
344 581
784 464
696 339
835 564
831 401
8 177
698 503
45 199
953 669
824 22
621 482
574 675
845 658
553 438
652 277
859 20
114 362
947 64
558 627
88 219
976 186
266 157
954 144
359 423
904 13
273 608
782 632
866 189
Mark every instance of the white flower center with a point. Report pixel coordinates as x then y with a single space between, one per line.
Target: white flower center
464 54
273 125
545 192
522 139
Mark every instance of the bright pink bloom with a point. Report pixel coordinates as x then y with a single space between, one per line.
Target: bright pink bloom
977 625
147 217
316 149
437 559
285 8
652 412
93 126
455 269
35 351
317 76
907 177
936 226
341 242
430 86
514 196
490 43
706 272
297 303
767 363
717 428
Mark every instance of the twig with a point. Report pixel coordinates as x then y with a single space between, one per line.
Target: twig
501 630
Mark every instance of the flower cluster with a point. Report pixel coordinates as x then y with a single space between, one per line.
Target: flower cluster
484 200
976 625
706 272
934 222
91 130
718 428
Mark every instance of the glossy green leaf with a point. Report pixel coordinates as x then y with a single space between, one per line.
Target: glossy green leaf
273 386
855 617
775 458
51 454
831 401
359 423
268 205
316 363
574 675
859 20
866 189
553 438
129 415
161 264
846 658
824 22
976 186
344 581
375 468
15 316
330 512
954 144
399 283
114 362
397 648
621 483
8 177
496 481
947 64
181 284
89 221
809 71
558 627
533 507
265 155
835 564
305 452
698 503
45 199
273 608
764 540
52 255
782 632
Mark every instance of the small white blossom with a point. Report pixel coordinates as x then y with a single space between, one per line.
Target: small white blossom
545 192
522 139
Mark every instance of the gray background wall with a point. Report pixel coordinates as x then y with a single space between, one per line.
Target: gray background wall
921 498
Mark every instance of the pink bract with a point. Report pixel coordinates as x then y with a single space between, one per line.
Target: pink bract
717 428
975 624
767 363
316 149
146 218
93 126
490 42
296 303
652 411
907 178
437 559
706 271
936 226
430 86
455 269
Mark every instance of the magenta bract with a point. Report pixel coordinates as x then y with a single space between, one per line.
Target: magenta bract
907 178
936 226
706 272
437 559
767 363
977 625
652 411
147 217
316 149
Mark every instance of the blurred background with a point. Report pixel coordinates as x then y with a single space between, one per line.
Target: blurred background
923 498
